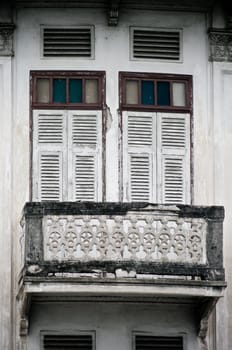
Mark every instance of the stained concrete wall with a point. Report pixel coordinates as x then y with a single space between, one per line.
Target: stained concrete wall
113 323
211 136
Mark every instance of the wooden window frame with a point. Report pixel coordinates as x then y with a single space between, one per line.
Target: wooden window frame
100 106
83 75
123 107
171 78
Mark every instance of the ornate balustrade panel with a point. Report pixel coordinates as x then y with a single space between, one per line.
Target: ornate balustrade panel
161 238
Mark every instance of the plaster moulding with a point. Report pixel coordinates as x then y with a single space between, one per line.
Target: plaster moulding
6 39
220 45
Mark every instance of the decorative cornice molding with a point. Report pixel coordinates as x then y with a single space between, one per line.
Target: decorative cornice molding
6 39
220 45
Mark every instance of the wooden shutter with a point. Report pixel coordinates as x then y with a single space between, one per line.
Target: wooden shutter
138 156
49 143
147 342
173 153
67 342
85 155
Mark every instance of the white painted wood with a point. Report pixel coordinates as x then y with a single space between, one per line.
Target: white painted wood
173 155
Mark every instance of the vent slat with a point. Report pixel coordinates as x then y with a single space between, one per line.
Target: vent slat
67 42
155 44
139 131
173 132
158 343
68 342
50 129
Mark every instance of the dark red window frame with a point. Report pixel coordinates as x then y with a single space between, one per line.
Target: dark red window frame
84 75
155 77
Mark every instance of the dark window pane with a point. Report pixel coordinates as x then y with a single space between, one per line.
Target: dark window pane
163 93
75 90
59 90
147 92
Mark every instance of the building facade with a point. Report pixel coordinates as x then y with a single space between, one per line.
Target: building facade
115 175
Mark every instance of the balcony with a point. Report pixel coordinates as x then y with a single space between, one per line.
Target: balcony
123 239
135 252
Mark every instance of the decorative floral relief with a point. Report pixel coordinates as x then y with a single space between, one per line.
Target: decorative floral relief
132 237
220 46
6 39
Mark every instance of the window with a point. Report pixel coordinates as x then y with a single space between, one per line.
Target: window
69 41
156 44
146 342
67 135
56 340
156 137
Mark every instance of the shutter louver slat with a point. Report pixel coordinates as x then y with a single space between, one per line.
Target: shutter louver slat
86 152
85 178
84 130
156 44
68 342
138 155
50 177
174 157
67 42
48 155
173 180
140 178
145 342
50 128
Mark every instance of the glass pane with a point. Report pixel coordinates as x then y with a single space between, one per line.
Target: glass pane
59 90
147 92
91 91
42 90
163 93
179 94
75 90
132 92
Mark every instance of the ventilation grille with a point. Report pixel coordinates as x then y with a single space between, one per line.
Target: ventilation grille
140 178
50 129
173 180
67 42
139 131
68 342
173 132
85 178
156 44
158 343
84 129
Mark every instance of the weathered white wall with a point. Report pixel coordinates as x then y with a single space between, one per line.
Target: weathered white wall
211 136
5 203
113 322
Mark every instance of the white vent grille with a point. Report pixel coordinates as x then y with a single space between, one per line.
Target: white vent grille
140 178
156 44
85 178
67 342
50 177
145 342
139 131
50 128
84 129
173 132
67 42
173 180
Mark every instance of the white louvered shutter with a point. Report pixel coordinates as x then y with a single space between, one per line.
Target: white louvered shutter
85 155
138 156
49 153
173 155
